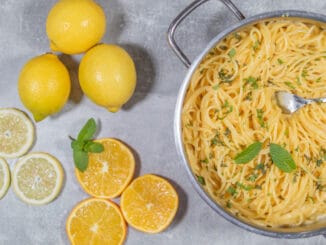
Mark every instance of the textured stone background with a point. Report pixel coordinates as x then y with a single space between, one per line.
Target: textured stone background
145 123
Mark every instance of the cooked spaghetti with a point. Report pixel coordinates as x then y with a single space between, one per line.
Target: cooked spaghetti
230 104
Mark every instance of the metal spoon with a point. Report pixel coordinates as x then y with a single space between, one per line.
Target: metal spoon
290 103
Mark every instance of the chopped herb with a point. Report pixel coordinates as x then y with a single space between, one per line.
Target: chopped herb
202 70
227 132
311 198
223 47
249 96
260 116
296 149
252 81
304 73
201 180
319 162
253 177
289 84
237 36
318 80
232 53
232 190
245 187
280 61
298 81
216 140
295 176
215 87
225 78
228 204
261 167
286 132
211 155
204 161
256 45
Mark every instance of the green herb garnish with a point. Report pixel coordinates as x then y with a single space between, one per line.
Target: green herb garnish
253 177
201 180
232 190
84 144
280 61
232 53
245 187
318 80
225 78
289 84
261 167
237 36
215 87
252 81
249 153
204 160
256 45
260 116
282 158
228 204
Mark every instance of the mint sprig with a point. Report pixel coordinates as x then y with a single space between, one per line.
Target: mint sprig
84 144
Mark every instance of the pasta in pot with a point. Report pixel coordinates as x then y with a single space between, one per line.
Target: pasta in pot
230 104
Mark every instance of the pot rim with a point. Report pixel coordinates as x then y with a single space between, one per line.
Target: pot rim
310 16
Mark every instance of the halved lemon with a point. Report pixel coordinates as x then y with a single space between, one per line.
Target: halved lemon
16 133
96 221
37 178
4 177
109 172
149 203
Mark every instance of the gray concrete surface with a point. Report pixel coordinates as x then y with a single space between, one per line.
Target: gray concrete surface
145 123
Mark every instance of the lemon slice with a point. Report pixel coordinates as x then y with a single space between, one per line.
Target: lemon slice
4 177
37 178
16 133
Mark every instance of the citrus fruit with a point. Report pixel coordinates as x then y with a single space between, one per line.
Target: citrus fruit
96 221
44 85
109 172
37 178
107 76
74 26
149 203
16 133
4 177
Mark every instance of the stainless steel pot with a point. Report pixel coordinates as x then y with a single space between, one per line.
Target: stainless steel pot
315 229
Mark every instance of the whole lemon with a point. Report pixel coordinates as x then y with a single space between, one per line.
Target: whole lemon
74 26
44 85
107 75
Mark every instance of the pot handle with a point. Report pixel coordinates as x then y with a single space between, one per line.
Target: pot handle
175 23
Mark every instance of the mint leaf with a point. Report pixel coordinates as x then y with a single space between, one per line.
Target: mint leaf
80 159
249 153
76 145
88 131
94 147
282 158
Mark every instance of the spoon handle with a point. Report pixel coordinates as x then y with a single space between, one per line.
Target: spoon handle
320 100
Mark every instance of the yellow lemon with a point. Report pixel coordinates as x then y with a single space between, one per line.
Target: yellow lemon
107 75
74 26
44 85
